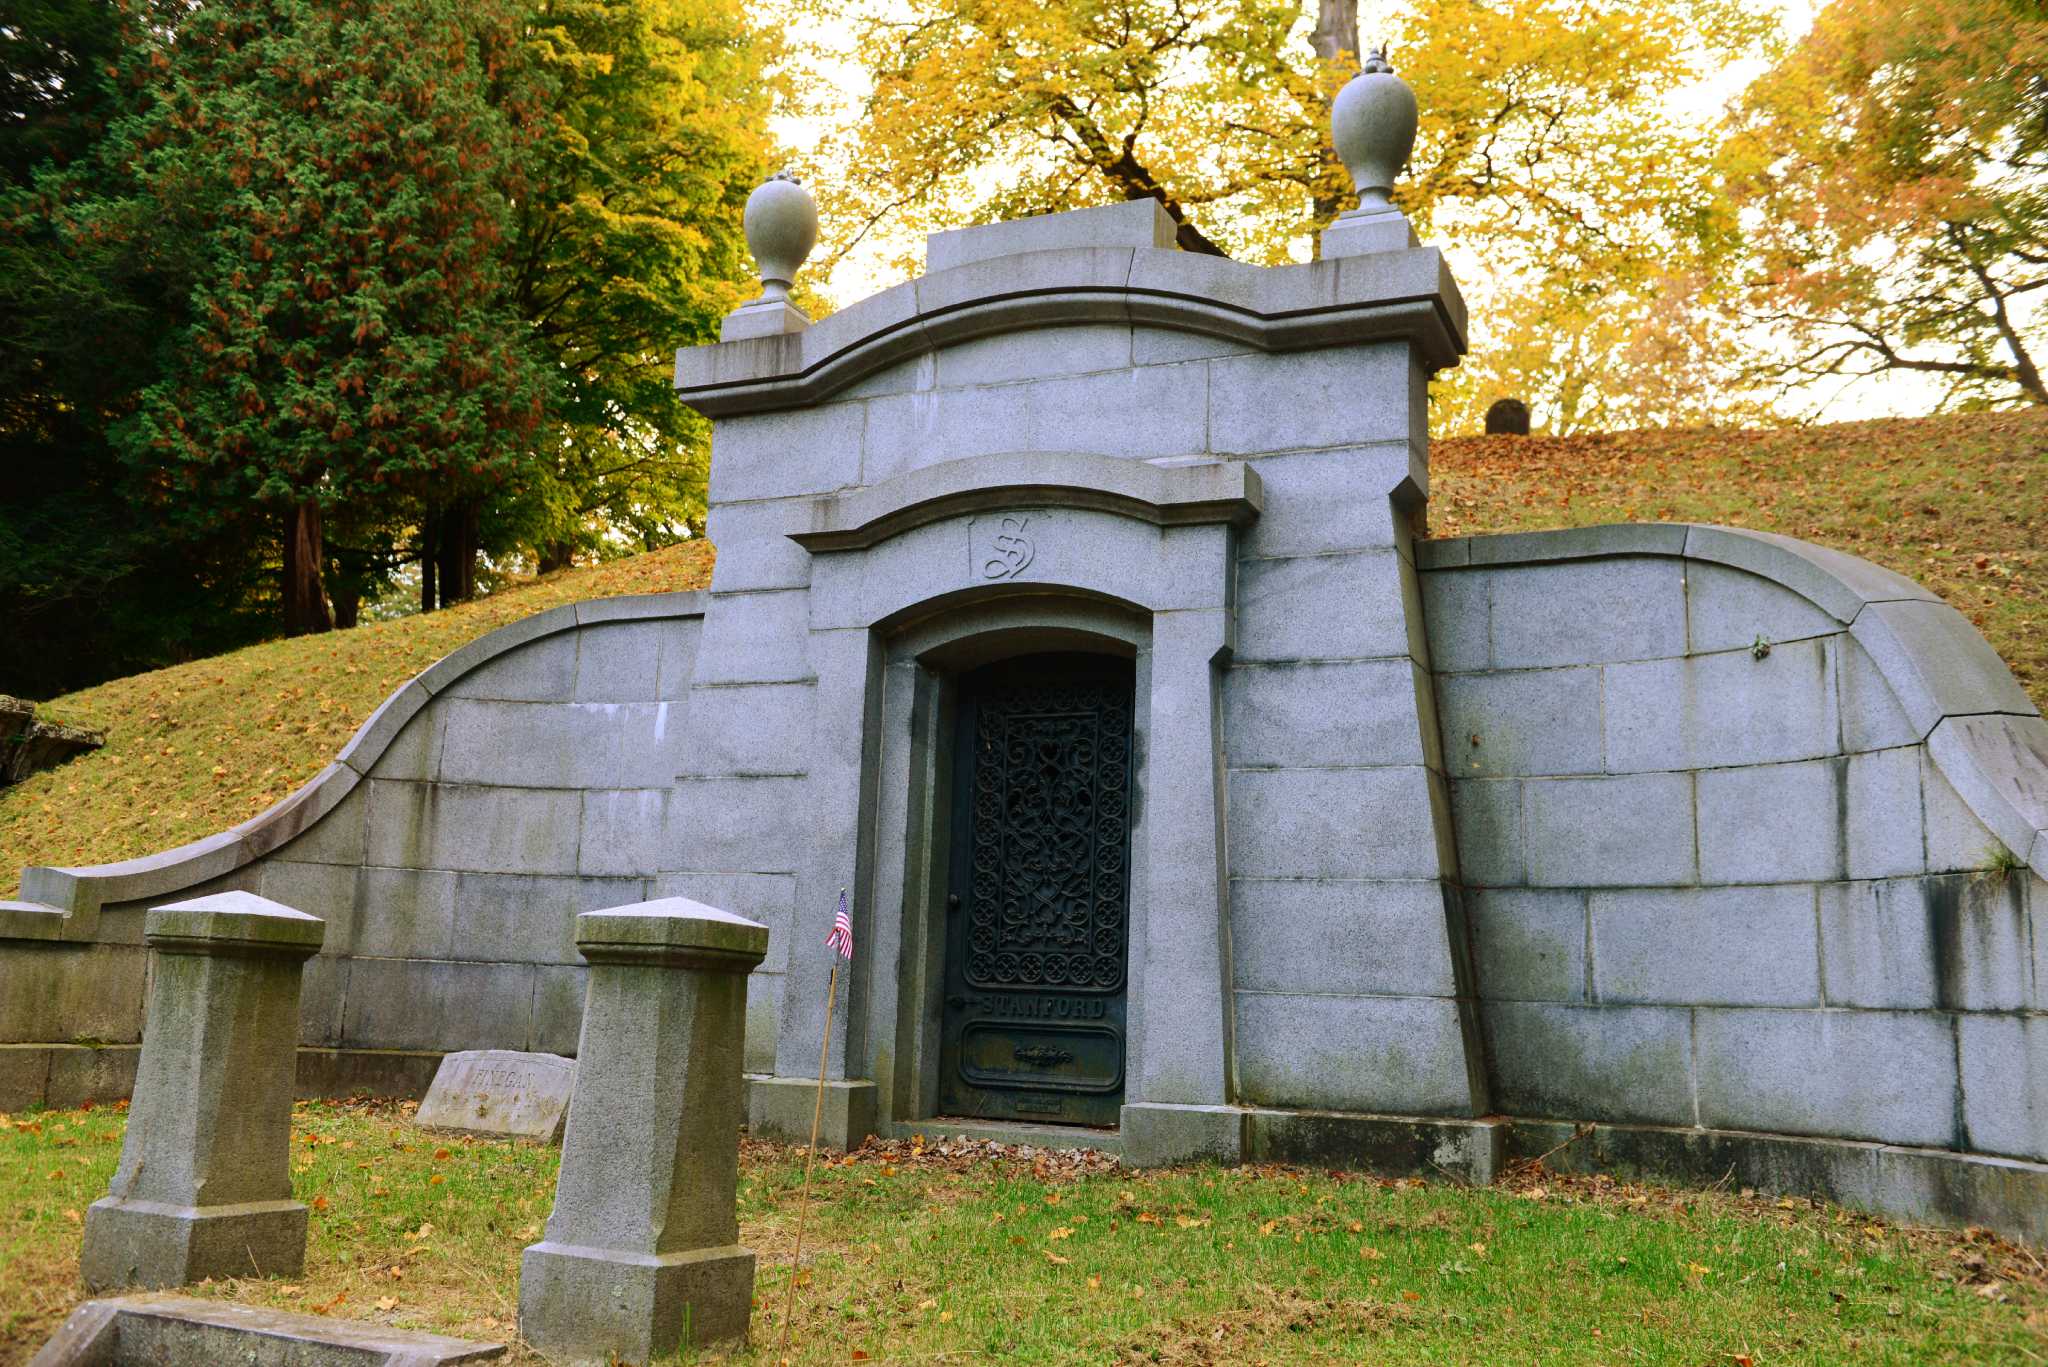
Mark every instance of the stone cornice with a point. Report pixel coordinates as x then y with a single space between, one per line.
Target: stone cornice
1164 495
1381 296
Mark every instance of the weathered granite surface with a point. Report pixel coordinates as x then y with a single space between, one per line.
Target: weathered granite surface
642 1251
204 1185
185 1331
1649 825
500 1092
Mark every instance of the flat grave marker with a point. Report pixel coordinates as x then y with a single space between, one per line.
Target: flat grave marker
500 1092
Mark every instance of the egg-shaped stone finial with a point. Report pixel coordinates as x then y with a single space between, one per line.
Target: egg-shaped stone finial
782 226
1372 124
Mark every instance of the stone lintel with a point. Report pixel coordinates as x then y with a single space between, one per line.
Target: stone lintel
1166 495
235 925
673 932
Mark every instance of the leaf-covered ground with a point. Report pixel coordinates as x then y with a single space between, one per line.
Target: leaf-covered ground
1960 504
915 1253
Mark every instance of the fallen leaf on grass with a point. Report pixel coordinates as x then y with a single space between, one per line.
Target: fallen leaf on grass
319 1203
1056 1259
1061 1233
1411 1295
387 1302
1369 1253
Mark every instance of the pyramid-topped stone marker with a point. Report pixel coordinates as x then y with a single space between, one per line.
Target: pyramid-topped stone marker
642 1252
204 1186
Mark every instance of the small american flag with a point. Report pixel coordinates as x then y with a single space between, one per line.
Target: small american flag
841 937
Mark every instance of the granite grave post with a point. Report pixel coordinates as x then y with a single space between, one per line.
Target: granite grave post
642 1251
204 1186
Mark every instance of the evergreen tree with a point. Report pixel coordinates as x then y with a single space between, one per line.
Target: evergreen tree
345 171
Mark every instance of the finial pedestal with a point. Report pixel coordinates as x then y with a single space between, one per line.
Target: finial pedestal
782 226
1372 125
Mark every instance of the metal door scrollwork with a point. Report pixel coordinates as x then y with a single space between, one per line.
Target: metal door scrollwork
1041 868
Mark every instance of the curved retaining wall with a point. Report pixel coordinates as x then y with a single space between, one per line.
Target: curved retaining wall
519 781
1750 833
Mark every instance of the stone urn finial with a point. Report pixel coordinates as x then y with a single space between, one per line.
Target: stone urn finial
1372 124
782 227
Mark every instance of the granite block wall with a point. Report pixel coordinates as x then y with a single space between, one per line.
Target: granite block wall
527 784
1713 872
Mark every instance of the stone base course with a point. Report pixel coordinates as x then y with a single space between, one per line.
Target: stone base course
151 1244
1914 1186
605 1305
781 1107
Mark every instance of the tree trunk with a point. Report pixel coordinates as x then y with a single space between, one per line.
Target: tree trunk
305 600
348 603
458 550
1335 38
430 555
1336 30
556 555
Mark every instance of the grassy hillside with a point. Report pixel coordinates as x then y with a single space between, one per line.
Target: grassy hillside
198 747
1960 504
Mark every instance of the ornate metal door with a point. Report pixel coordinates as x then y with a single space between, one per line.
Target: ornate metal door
1037 919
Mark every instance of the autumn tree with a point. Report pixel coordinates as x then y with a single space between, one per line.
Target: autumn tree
344 170
629 246
1893 177
91 582
1549 148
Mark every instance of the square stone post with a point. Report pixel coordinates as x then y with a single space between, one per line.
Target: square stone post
642 1251
204 1186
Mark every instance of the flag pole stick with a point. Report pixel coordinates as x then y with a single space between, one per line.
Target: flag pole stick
803 1206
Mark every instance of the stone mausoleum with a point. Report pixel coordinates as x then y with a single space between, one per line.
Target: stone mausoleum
1075 611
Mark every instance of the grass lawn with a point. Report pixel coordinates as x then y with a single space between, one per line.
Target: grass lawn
924 1254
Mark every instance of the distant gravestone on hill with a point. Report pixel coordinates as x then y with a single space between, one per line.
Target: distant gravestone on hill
1509 417
29 746
500 1092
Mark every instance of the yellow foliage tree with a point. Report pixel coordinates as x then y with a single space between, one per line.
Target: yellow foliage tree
1549 150
1894 170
